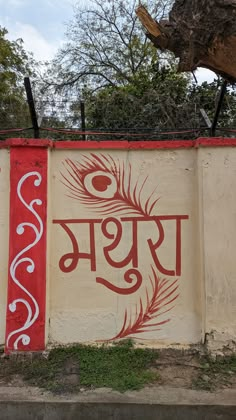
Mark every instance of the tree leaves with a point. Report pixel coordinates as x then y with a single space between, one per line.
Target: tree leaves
14 64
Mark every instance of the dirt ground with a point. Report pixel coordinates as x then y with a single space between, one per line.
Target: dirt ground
191 370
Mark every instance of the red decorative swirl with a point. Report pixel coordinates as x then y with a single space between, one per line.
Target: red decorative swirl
128 279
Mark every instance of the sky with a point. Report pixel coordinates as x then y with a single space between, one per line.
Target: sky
42 26
40 23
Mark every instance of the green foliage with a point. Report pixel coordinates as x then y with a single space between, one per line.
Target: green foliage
156 99
120 367
206 96
161 100
14 65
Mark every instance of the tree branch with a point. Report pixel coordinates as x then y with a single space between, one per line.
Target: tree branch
201 33
148 22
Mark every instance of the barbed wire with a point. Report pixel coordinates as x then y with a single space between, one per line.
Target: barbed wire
156 118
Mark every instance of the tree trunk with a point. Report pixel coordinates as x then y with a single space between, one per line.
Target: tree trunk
201 33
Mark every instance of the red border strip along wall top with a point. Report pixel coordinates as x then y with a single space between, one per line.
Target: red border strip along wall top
25 322
124 144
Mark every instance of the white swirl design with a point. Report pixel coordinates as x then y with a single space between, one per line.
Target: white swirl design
32 305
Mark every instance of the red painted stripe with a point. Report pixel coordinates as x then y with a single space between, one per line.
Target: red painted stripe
103 144
20 142
215 142
130 145
137 145
25 322
114 144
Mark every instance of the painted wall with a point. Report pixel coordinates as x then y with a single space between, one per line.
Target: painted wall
142 277
217 174
4 236
115 240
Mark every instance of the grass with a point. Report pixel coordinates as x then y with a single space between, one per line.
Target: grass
68 369
215 373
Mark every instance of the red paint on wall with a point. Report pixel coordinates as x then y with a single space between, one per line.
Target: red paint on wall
25 321
145 144
124 144
215 142
103 183
19 142
120 144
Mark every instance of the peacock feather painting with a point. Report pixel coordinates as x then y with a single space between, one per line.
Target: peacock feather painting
107 187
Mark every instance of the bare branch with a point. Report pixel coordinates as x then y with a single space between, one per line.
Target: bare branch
148 22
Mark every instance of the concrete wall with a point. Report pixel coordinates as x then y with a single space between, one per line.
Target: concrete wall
140 244
217 174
